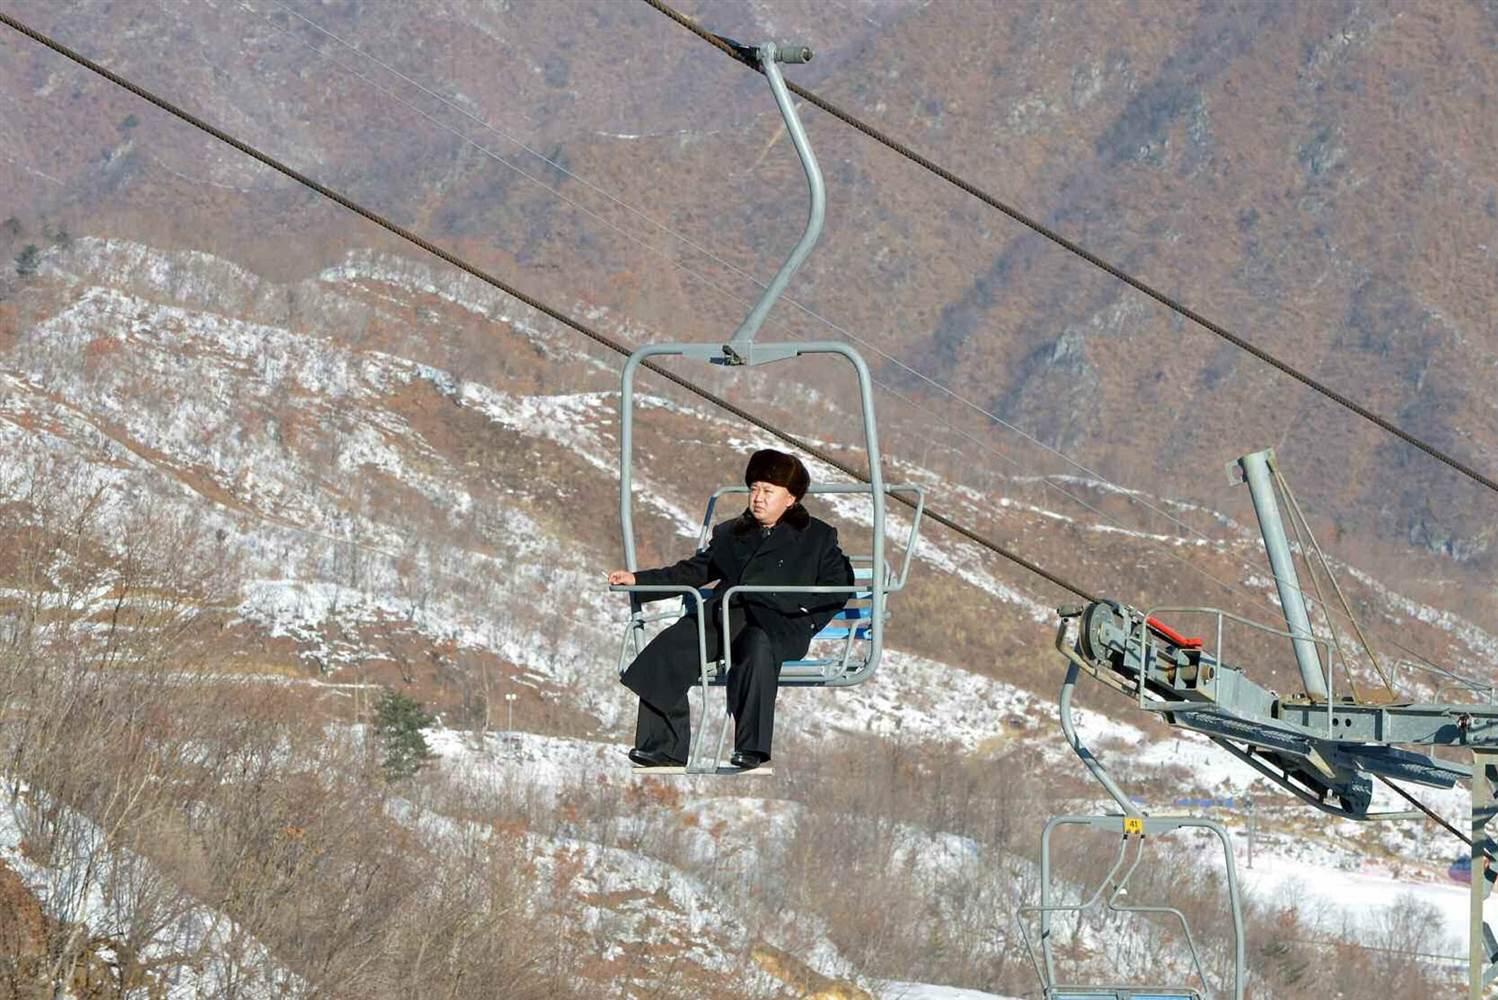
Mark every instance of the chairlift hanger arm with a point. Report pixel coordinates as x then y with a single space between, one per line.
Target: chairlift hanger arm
739 350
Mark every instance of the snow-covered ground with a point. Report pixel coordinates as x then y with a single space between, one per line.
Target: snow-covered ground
213 341
1328 880
925 991
1333 899
96 885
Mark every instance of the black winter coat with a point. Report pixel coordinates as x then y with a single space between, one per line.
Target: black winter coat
800 551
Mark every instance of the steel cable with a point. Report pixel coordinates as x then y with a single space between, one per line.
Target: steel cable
682 238
535 303
1072 247
1428 811
555 314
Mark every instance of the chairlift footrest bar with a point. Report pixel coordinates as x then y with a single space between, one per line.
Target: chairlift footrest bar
1121 993
1124 994
669 772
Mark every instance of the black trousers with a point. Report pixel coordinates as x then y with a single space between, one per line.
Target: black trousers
667 668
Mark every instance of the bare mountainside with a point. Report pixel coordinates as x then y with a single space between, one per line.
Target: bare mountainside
1317 177
330 514
382 443
261 461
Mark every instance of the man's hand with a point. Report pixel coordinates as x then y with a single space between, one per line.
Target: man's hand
621 578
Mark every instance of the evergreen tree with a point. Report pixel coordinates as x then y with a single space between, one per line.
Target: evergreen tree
27 260
399 721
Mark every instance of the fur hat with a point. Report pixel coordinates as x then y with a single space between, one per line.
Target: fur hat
779 469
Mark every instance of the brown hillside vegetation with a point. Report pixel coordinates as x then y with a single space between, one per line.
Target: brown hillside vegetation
23 940
1315 176
260 462
246 801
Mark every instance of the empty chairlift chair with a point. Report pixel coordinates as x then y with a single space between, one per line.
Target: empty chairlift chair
1133 829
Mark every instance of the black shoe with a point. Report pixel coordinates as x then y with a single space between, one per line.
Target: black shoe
748 760
649 758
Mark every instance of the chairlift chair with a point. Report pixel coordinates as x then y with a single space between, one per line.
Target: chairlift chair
1133 828
860 626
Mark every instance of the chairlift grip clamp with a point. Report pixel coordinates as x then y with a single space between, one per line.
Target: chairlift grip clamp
779 53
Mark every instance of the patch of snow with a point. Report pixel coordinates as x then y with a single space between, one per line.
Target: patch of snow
963 559
94 885
927 991
918 699
1334 900
1483 644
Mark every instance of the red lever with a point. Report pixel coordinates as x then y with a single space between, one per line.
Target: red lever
1185 642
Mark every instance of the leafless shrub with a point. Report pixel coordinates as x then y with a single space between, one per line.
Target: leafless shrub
193 824
188 823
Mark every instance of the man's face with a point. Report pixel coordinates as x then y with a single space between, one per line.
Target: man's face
767 502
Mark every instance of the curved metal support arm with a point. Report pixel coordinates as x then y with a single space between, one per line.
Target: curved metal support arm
626 441
1196 961
1075 742
818 210
694 751
1113 905
1121 886
1046 908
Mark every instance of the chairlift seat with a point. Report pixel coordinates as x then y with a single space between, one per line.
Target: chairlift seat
852 625
849 644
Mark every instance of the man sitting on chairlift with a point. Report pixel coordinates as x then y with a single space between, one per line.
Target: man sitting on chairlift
774 541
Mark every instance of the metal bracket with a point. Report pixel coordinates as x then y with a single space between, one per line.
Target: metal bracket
750 354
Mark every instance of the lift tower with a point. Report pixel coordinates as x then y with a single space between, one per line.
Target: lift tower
1323 746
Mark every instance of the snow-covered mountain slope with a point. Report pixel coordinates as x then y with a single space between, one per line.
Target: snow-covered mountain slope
91 893
417 483
370 429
